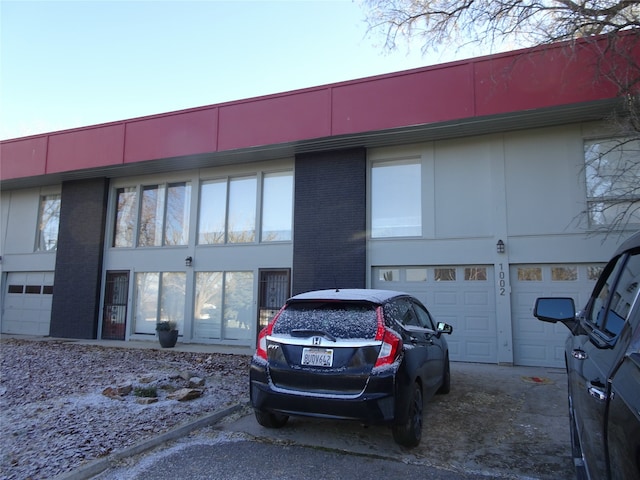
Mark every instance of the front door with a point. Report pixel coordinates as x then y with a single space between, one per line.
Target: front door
275 288
114 315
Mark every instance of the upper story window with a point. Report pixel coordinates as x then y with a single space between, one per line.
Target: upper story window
612 168
161 217
231 210
396 199
48 223
277 207
228 207
164 215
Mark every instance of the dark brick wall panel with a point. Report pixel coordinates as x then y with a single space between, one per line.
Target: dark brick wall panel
329 247
78 273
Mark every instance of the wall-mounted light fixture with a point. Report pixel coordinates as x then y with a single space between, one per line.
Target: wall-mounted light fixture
188 261
500 246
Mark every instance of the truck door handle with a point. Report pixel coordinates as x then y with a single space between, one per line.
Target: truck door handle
579 354
597 391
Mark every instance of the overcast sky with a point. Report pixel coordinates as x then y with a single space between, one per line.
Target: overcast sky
76 63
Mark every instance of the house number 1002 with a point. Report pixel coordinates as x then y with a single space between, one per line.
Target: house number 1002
502 283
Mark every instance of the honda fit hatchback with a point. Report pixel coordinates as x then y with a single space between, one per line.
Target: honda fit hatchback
373 356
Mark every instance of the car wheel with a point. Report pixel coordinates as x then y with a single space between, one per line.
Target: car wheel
446 378
408 431
271 420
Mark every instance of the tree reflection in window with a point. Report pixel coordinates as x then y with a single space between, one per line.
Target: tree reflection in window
48 223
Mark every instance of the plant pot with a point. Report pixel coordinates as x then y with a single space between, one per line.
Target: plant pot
168 338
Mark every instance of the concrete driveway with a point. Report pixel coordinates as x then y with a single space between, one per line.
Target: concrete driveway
497 420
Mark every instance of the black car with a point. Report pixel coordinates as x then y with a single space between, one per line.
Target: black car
603 364
368 355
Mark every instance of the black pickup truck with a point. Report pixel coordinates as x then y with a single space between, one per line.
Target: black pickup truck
602 357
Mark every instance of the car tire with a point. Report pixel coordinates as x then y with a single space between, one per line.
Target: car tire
271 420
446 378
408 431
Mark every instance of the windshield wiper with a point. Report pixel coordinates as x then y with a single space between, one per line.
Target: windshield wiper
305 333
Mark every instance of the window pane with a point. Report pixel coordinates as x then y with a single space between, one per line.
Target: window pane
208 305
396 200
151 214
48 223
238 303
213 206
277 199
178 206
389 275
624 297
564 274
530 274
612 176
416 274
475 274
172 298
146 307
444 274
594 272
125 221
242 210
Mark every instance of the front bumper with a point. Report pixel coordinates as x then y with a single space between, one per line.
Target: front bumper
376 404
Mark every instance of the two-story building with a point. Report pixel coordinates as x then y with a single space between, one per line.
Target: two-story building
472 185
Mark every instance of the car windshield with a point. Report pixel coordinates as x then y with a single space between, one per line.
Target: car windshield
338 319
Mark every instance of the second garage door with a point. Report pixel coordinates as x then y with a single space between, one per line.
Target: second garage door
462 296
537 343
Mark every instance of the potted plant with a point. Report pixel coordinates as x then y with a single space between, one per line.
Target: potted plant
167 333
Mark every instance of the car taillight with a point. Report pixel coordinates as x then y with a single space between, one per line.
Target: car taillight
391 343
261 348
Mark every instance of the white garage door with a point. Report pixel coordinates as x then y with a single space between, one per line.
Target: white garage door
537 343
462 296
27 303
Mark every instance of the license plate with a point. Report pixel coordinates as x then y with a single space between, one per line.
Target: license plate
317 357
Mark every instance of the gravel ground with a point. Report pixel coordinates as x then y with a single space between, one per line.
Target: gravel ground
54 417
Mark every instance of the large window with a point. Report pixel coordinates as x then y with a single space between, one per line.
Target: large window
164 215
223 306
48 223
228 209
159 296
231 210
161 218
612 169
277 196
396 199
241 224
125 222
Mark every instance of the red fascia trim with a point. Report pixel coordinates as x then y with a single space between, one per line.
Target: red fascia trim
540 77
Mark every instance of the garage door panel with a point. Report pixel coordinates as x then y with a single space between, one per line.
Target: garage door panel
532 326
478 349
479 325
476 299
445 298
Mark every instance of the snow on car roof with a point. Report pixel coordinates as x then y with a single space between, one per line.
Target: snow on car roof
360 294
